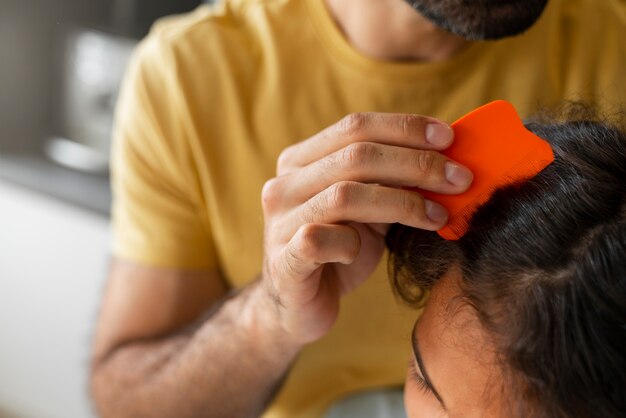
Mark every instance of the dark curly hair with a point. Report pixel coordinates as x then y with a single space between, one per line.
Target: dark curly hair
543 265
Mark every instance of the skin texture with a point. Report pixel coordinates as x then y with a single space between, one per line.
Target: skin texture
458 357
481 20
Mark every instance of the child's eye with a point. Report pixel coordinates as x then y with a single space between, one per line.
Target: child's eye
417 379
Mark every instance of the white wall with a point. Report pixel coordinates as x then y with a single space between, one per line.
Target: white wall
53 260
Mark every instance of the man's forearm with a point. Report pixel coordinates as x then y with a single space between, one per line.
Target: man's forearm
228 365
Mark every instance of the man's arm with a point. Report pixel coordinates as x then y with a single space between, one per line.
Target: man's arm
153 357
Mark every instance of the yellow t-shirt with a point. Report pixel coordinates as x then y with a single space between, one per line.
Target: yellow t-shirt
212 97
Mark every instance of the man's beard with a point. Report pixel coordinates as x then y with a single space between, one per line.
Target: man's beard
478 20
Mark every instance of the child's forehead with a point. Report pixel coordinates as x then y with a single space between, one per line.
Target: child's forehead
456 350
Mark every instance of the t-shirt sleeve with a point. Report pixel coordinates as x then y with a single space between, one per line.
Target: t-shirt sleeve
157 215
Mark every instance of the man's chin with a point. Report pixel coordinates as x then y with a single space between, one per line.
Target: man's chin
481 20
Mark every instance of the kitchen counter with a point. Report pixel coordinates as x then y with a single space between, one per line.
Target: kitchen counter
89 191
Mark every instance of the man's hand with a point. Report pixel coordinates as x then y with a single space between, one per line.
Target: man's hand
332 201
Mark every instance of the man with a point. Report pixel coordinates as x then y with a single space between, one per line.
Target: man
233 296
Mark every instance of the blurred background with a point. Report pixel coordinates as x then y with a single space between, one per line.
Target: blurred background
61 64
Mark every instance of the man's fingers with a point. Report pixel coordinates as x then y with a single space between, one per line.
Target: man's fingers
366 203
318 242
312 246
369 162
407 130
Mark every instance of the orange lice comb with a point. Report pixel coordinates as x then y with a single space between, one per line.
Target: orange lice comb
493 142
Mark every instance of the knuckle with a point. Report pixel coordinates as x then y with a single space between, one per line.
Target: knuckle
358 154
411 205
311 240
342 195
284 159
353 124
271 193
410 124
425 161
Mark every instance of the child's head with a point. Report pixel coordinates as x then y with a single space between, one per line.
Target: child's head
527 314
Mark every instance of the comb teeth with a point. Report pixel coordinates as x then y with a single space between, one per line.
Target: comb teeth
493 142
458 224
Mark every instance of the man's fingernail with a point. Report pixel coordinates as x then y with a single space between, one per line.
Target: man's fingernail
438 134
435 212
458 175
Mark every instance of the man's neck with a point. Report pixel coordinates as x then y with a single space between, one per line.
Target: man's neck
391 30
